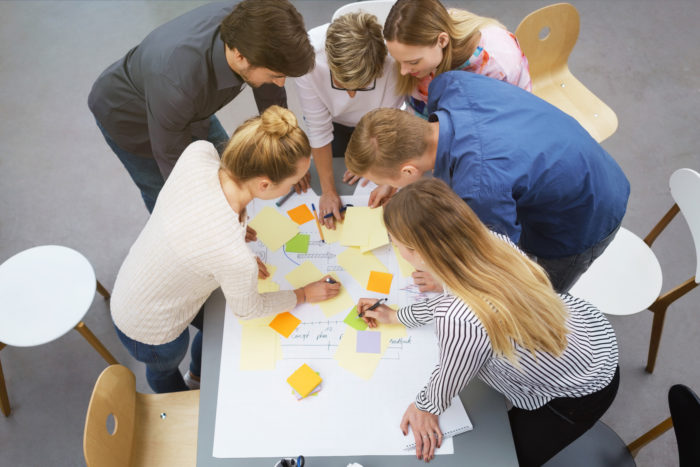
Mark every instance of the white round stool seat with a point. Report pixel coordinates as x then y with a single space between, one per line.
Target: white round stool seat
624 280
44 292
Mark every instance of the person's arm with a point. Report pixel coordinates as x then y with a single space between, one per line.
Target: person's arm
269 94
330 201
418 313
168 112
464 348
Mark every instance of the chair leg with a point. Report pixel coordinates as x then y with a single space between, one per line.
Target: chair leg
90 337
101 289
4 400
649 436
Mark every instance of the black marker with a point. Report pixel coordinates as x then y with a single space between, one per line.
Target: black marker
373 307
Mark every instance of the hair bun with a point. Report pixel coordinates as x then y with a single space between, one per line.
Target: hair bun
278 121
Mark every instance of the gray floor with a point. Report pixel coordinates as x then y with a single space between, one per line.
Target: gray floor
60 184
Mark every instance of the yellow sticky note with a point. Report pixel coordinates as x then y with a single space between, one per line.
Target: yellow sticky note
304 380
264 321
360 364
301 214
260 348
405 267
274 229
364 227
285 323
359 264
332 236
303 274
267 285
341 302
379 282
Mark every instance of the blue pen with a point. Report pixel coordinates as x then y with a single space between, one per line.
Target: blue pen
341 210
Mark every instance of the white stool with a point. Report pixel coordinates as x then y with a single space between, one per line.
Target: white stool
45 292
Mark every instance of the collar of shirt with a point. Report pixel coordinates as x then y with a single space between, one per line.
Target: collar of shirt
225 76
442 157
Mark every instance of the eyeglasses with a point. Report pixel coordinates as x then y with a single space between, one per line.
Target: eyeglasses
366 88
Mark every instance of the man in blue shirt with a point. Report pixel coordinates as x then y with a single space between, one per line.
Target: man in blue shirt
527 169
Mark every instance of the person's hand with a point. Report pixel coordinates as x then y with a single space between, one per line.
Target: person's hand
330 203
263 273
380 315
350 178
426 431
321 290
426 282
250 234
303 184
381 195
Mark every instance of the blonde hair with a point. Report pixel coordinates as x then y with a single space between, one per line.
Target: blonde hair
420 22
384 139
510 294
268 145
355 49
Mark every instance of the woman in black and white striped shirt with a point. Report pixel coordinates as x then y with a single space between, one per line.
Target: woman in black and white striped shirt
553 356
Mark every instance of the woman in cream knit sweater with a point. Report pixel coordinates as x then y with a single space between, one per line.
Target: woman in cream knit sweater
194 242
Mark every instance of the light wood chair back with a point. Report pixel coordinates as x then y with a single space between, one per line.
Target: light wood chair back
151 429
379 8
115 395
547 36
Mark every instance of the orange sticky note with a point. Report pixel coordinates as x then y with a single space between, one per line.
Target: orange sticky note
379 282
301 214
304 380
285 323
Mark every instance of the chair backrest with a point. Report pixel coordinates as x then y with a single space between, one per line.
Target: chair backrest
685 413
685 189
379 8
547 36
114 394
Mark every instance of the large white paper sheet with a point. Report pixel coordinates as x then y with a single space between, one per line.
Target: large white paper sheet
257 414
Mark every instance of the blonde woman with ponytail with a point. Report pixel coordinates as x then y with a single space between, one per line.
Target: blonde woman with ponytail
194 242
426 40
553 356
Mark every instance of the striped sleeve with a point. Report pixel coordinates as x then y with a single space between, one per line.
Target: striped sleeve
419 313
464 349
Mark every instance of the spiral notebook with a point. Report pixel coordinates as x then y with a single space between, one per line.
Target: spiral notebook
453 421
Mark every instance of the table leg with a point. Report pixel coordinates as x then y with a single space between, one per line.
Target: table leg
4 400
90 337
101 289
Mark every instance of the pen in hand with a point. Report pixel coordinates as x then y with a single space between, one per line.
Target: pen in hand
373 307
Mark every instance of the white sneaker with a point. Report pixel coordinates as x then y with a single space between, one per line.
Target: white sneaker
191 381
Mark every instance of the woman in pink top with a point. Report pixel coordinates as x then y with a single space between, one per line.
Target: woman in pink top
426 40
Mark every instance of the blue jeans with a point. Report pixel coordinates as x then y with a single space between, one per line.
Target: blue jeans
162 361
564 272
144 171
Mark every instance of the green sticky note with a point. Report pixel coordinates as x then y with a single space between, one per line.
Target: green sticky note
298 244
353 320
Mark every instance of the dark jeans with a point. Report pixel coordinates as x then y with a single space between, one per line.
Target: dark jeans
144 171
540 434
162 361
564 272
341 138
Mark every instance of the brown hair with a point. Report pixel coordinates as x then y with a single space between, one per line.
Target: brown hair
355 49
384 139
269 34
419 22
268 145
510 294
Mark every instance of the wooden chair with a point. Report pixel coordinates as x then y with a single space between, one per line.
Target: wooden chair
602 447
547 36
45 292
146 430
379 8
626 278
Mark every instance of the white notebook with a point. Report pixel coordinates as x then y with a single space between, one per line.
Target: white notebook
453 421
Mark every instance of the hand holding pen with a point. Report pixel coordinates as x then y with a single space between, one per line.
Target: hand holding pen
373 312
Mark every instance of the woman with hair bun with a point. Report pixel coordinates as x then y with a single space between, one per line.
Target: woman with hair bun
426 40
194 242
